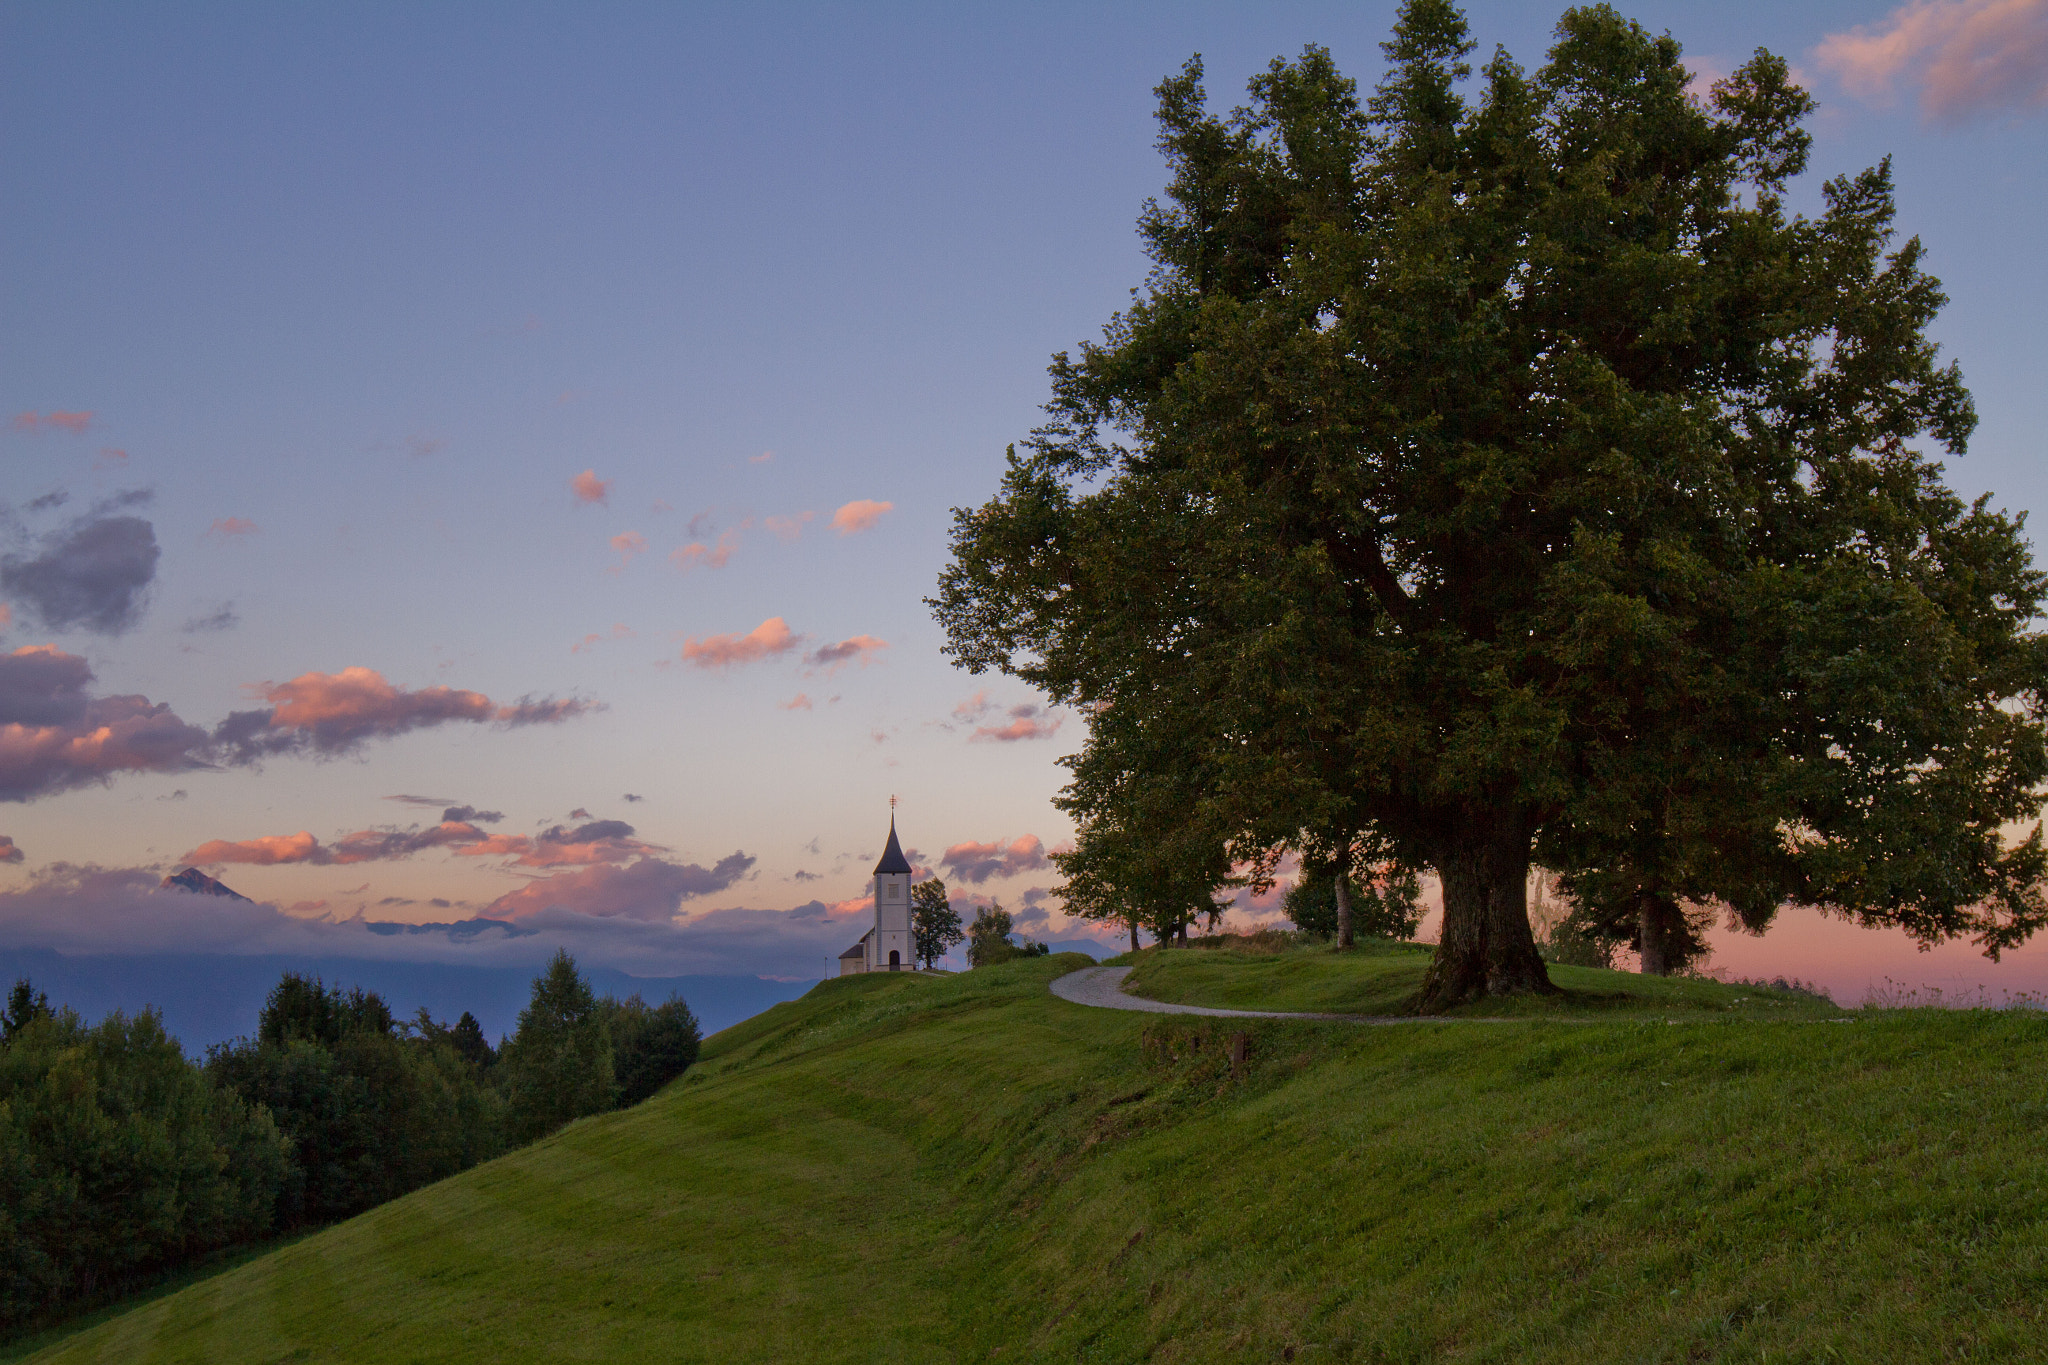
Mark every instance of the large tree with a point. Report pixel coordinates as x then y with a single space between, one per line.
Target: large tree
1471 470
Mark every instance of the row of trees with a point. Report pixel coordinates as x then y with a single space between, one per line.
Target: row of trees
935 929
1488 479
119 1157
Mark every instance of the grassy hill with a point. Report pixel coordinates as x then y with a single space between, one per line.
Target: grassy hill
965 1168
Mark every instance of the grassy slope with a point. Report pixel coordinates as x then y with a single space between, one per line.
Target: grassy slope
967 1169
1379 977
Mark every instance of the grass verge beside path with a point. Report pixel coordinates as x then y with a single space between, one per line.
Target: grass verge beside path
1381 977
969 1169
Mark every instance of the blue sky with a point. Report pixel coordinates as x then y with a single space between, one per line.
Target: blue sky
354 293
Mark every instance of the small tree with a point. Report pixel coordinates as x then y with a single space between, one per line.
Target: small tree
934 923
558 1066
25 1005
651 1045
1385 903
988 938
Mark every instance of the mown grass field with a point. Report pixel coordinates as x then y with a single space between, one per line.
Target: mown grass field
967 1169
1379 977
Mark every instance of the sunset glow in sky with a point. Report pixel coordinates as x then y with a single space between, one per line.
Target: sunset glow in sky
487 461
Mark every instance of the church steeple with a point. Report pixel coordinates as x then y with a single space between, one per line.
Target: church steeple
892 856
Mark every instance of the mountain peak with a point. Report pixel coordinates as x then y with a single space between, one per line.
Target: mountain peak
192 879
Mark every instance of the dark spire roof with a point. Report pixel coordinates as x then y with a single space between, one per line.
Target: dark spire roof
892 856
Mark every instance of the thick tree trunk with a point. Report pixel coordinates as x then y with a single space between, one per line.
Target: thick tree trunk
1182 933
1134 934
1486 947
1343 908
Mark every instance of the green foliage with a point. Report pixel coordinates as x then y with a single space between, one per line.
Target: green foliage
988 938
117 1158
370 1114
25 1005
1658 1182
934 923
558 1065
651 1045
1385 905
1493 462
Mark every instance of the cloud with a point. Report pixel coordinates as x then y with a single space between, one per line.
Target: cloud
223 619
88 910
93 575
1026 722
267 851
859 515
974 708
770 638
619 631
10 852
1968 57
788 528
861 648
231 528
599 841
976 863
631 797
627 544
54 736
800 702
6 616
589 488
763 458
650 889
470 815
696 553
77 423
405 799
113 456
333 713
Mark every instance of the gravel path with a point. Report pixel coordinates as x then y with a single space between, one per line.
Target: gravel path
1103 987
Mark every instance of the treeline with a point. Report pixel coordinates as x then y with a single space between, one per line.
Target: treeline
121 1159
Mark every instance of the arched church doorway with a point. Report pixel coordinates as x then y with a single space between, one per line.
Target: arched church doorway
895 959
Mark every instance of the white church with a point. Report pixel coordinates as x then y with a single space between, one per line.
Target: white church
887 946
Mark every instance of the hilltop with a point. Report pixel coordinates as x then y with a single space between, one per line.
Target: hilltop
964 1168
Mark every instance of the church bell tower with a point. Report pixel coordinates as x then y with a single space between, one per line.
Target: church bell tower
889 947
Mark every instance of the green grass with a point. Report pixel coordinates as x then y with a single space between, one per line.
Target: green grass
1379 977
967 1169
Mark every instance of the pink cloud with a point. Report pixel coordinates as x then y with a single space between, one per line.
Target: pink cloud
10 852
974 708
626 544
711 557
972 862
860 648
619 631
270 850
763 458
112 455
74 422
229 528
589 488
1968 57
800 702
649 890
1026 722
335 712
55 736
770 638
6 616
859 515
788 528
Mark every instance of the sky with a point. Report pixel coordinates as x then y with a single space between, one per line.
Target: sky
488 461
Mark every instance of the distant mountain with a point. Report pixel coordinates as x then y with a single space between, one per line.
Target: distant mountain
192 879
208 998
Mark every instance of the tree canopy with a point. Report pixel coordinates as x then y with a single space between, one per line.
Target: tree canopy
1498 461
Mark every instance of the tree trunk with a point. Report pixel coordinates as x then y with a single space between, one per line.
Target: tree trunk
1182 933
1134 933
1343 908
1486 947
1658 927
